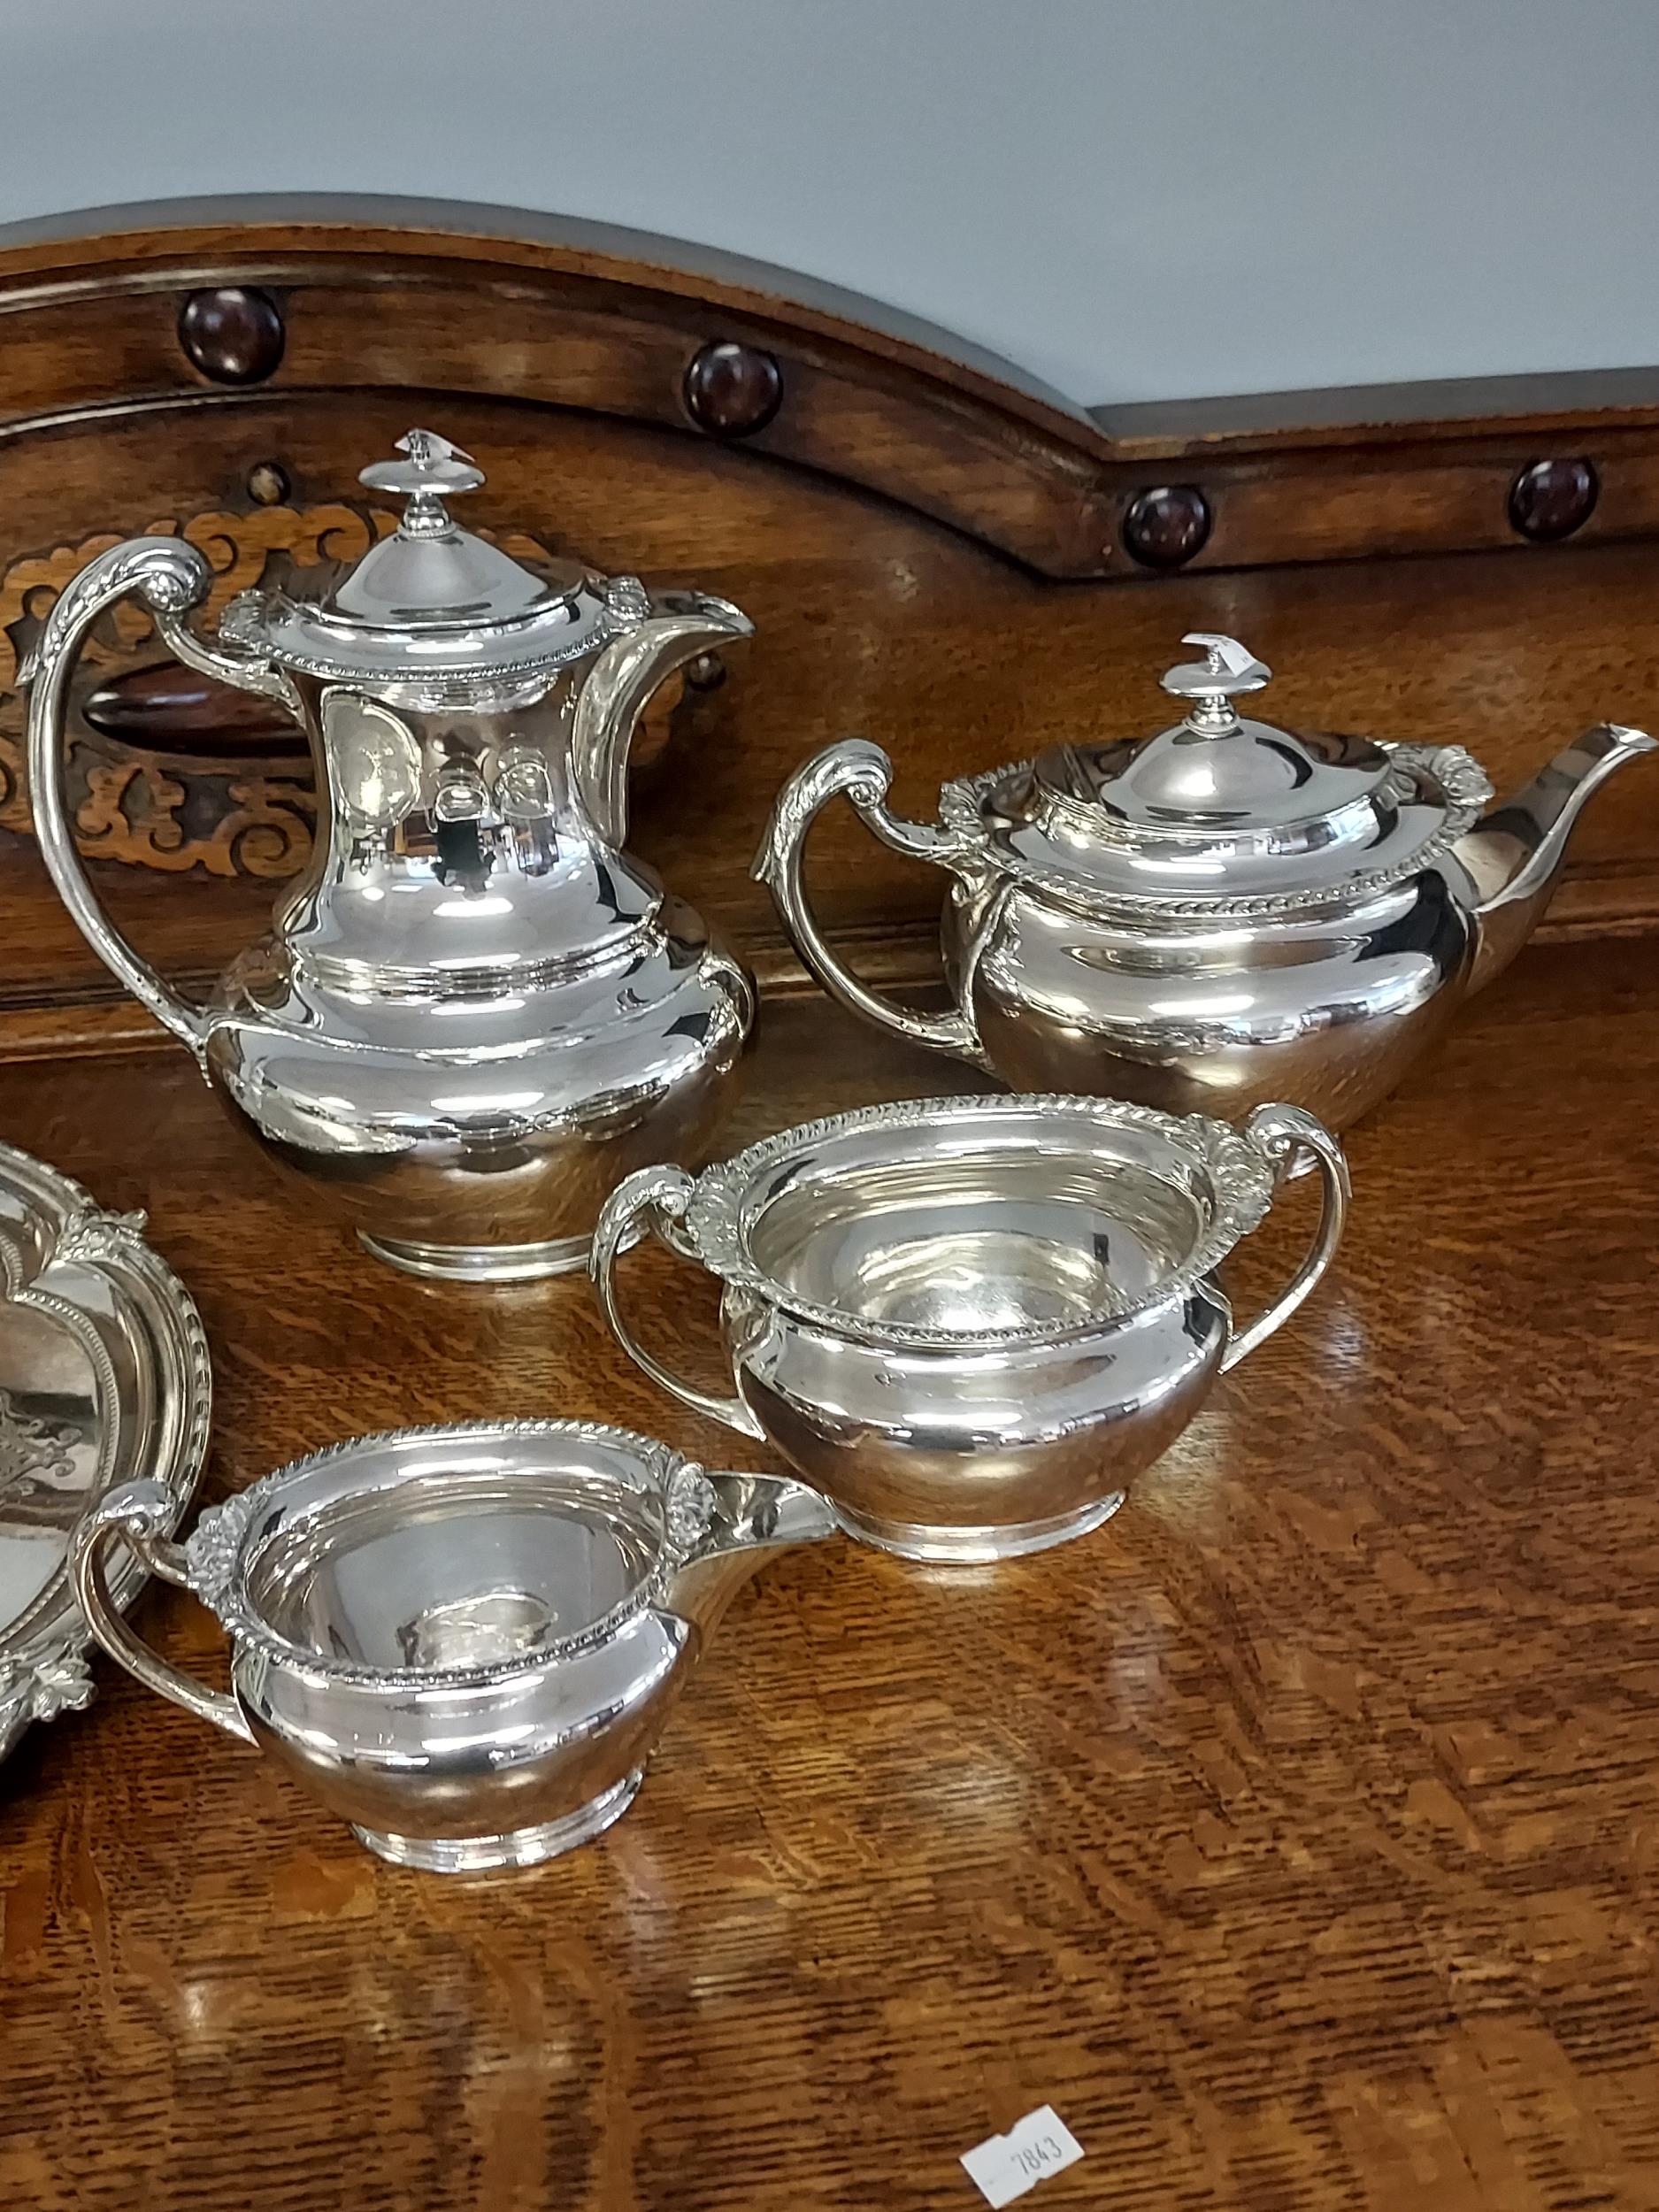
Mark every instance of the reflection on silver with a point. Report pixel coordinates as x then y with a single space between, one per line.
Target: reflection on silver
104 1373
971 1322
464 1640
477 1011
1222 914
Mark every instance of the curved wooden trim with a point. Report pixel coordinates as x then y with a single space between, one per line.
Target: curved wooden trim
382 225
385 294
510 304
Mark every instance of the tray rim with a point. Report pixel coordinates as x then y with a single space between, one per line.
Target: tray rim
45 1650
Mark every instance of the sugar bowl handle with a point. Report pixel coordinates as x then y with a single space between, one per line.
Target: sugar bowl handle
654 1198
1286 1136
863 772
140 1515
169 577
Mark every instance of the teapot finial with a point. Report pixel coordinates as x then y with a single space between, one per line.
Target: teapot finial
1227 667
433 470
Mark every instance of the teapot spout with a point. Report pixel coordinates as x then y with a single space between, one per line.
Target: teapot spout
1514 855
750 1516
624 676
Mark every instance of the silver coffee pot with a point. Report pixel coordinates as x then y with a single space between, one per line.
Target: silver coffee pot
476 1012
1218 915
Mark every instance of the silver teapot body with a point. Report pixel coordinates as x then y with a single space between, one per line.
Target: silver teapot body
1326 1009
1223 915
476 1011
970 1323
464 1641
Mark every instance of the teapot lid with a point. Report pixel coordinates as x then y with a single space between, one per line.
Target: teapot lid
1221 810
433 600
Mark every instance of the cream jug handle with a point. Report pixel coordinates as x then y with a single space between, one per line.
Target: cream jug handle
654 1198
1284 1136
170 576
139 1515
863 771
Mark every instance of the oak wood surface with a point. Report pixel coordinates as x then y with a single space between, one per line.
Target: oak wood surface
1295 1836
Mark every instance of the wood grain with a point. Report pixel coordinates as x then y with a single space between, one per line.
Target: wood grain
1295 1836
383 294
394 297
908 531
871 618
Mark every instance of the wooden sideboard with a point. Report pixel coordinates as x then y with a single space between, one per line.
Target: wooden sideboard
1293 1836
936 552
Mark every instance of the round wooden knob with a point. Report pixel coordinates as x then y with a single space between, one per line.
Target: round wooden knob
1164 527
1551 499
732 391
233 335
268 483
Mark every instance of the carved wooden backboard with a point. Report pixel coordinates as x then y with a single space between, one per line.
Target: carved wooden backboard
936 552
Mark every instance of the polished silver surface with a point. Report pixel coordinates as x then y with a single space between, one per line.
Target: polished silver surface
103 1374
971 1322
463 1641
432 608
1221 914
476 1011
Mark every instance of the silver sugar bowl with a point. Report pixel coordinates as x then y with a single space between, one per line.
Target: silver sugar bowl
1220 915
477 1011
464 1640
971 1322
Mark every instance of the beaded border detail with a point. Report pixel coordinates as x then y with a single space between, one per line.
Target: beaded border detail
1240 1177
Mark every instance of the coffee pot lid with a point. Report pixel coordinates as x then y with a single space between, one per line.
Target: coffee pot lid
431 600
1220 806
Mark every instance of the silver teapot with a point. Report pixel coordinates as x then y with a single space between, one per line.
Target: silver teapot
464 1640
1225 914
475 1012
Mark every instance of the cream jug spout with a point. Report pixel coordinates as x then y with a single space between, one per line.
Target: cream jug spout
651 648
745 1516
1514 855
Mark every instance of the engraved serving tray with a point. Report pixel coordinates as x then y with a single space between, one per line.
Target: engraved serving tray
103 1375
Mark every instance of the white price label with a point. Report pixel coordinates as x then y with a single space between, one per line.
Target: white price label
1003 2167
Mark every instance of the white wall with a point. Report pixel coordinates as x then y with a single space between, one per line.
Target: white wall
1138 199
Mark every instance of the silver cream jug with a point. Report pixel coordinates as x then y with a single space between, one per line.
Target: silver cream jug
465 1641
475 1012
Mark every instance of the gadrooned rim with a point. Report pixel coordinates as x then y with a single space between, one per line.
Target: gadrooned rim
1241 1176
505 664
218 1559
1462 783
113 1245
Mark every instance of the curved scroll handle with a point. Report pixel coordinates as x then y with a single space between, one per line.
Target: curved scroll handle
139 1515
1284 1136
170 576
652 1198
863 771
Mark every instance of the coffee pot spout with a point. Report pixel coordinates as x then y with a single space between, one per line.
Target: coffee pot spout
652 647
744 1517
1514 854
